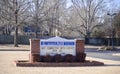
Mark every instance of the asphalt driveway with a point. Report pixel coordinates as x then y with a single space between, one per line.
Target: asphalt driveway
108 55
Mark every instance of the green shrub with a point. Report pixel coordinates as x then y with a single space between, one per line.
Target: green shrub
80 57
58 58
47 58
69 58
41 58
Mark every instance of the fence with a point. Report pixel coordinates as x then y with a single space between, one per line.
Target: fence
102 41
9 39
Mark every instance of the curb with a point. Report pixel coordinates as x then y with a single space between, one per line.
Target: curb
26 63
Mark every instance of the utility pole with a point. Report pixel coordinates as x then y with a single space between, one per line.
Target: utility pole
111 20
57 18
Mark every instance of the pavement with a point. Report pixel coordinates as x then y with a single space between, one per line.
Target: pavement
10 47
7 64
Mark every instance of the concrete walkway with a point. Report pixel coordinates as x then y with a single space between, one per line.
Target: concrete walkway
7 64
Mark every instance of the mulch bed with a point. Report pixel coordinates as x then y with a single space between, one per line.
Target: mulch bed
26 63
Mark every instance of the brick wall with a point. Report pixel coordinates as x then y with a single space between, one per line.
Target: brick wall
79 46
35 48
35 45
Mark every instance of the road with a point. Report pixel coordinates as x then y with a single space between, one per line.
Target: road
109 55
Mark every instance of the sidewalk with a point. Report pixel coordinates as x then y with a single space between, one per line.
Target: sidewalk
10 47
7 66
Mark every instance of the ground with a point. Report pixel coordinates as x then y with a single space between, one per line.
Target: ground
7 64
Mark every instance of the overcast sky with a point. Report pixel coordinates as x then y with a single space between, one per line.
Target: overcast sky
113 5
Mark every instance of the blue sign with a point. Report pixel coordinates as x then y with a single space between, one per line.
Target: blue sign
57 43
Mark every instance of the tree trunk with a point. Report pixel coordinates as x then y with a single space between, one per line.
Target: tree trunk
16 27
16 37
87 36
16 31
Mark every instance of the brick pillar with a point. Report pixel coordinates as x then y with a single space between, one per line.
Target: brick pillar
35 45
79 45
34 50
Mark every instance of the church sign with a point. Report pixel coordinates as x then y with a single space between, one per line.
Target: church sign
57 45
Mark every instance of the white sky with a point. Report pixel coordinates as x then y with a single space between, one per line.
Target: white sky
112 5
115 5
69 3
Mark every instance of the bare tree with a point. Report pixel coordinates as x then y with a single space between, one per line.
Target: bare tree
36 12
88 11
45 16
116 23
14 12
